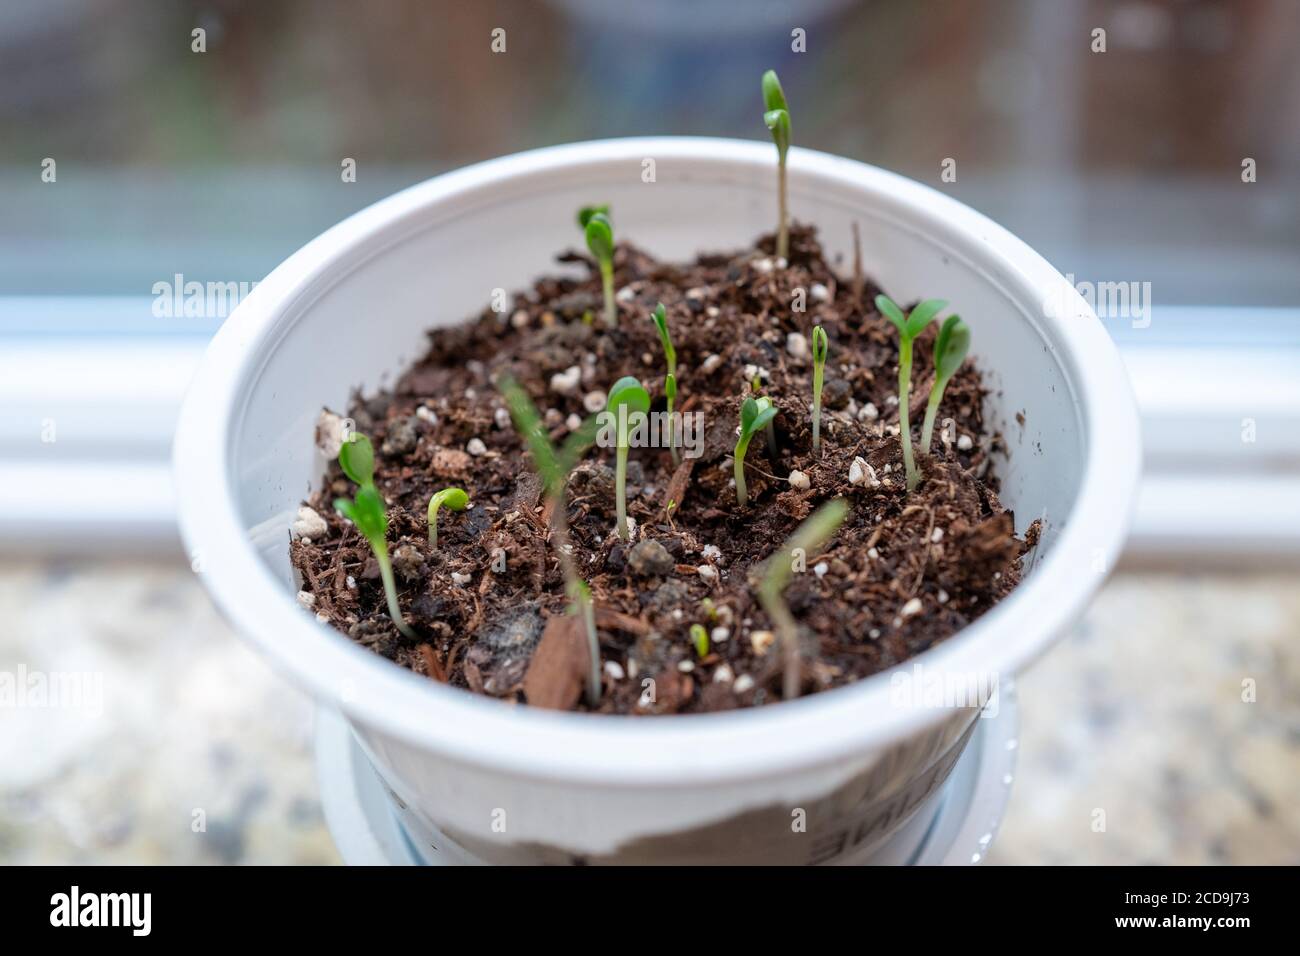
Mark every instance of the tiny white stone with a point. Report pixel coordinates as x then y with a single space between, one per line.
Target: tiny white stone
861 473
943 596
632 667
711 551
911 608
476 447
891 399
760 641
712 311
593 401
937 535
873 554
820 292
720 635
459 579
868 412
820 569
425 414
874 633
763 265
520 319
566 382
677 614
502 417
309 524
780 262
331 431
613 670
796 345
964 443
306 599
352 582
470 394
751 372
711 364
723 674
707 572
799 481
322 617
573 423
743 683
625 294
686 666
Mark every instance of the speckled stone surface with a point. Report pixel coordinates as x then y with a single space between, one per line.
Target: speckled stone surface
200 754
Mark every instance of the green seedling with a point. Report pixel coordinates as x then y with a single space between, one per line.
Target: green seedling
776 114
700 638
909 327
753 416
819 351
950 348
626 399
660 318
586 212
553 466
600 242
366 511
807 539
769 429
454 498
357 459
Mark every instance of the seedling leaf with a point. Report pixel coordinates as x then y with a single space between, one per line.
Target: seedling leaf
586 212
357 459
600 237
951 346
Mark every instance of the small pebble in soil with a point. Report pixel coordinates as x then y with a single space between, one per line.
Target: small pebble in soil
861 473
723 674
761 641
625 294
868 412
502 418
720 635
797 346
943 596
306 599
799 481
964 443
820 569
707 572
476 447
911 608
520 319
567 382
711 364
650 559
460 580
408 562
937 535
819 292
743 684
573 422
873 554
711 552
309 524
686 666
613 670
594 402
352 583
322 617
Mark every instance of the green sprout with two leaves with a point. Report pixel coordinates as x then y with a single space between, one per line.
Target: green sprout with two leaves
660 318
755 413
776 114
367 511
553 467
455 499
600 243
950 348
815 531
626 399
820 349
909 327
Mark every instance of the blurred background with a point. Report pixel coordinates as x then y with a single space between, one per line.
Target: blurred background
1150 147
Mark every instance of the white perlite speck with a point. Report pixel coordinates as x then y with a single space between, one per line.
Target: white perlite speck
761 641
707 572
743 684
502 418
519 319
573 422
911 608
613 670
309 524
331 430
964 443
460 580
799 481
711 364
686 666
711 552
567 382
306 599
723 674
937 535
820 569
476 447
720 635
796 345
868 412
819 292
594 402
861 473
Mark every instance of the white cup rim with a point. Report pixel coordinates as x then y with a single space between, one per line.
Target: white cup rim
612 750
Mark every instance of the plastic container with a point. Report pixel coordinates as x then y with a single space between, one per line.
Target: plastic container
823 779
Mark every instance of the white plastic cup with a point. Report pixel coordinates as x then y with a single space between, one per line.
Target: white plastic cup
822 779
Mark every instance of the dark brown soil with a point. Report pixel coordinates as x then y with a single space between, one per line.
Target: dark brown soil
904 572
